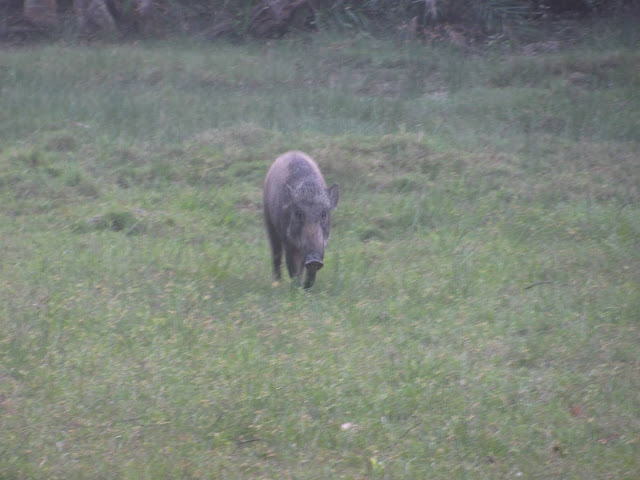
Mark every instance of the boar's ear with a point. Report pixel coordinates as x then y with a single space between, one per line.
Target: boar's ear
333 196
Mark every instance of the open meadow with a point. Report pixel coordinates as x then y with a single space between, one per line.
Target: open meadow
478 315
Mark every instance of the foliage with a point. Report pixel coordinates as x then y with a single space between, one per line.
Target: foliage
274 18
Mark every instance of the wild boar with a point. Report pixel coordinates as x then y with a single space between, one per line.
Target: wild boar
297 213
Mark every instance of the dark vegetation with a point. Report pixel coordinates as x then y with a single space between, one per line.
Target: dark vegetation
211 19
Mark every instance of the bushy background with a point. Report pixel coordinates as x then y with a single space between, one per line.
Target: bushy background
274 18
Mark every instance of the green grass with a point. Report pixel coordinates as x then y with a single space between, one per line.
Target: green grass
478 314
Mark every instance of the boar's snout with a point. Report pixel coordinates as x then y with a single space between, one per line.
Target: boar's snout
313 261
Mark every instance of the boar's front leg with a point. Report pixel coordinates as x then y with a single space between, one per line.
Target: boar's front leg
294 262
276 249
310 277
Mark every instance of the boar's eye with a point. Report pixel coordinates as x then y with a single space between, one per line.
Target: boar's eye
324 214
299 214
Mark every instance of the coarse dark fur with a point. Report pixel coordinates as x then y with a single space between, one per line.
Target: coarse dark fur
297 214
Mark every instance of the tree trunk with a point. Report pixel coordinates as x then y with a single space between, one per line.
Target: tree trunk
94 16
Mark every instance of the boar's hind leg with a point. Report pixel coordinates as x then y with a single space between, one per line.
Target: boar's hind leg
276 250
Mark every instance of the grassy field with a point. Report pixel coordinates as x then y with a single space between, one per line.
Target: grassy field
478 315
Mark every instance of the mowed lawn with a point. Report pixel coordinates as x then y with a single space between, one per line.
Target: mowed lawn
478 314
